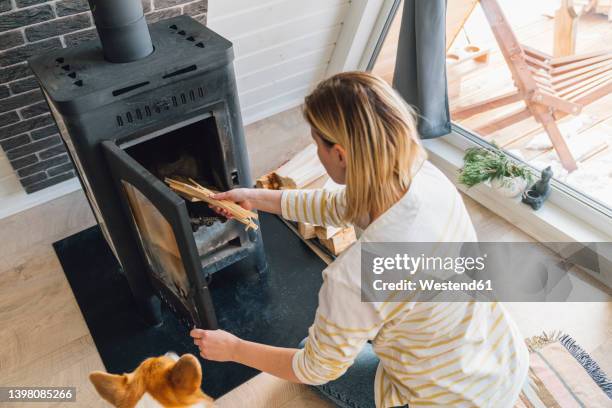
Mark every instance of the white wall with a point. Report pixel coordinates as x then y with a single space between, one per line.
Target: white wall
9 184
13 197
282 47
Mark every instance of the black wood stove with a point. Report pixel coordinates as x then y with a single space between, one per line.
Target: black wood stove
142 104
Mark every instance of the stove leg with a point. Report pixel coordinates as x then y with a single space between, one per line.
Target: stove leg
259 256
148 305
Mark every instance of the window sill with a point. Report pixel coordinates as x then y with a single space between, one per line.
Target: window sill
552 223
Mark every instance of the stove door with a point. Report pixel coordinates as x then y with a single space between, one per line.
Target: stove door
161 225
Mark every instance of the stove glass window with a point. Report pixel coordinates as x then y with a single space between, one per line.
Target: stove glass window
158 241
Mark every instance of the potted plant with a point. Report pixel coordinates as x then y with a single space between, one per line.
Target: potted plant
482 165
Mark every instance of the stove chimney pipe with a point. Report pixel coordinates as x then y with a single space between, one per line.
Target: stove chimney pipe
122 29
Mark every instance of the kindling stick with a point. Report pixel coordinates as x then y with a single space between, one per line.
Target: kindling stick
197 191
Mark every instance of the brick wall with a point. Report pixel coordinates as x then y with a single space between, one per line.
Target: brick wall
28 134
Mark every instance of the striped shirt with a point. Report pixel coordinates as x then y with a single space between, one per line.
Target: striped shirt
451 354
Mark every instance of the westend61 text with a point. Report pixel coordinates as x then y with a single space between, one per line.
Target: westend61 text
433 285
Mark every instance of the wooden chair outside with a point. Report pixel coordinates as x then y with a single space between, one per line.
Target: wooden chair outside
551 88
566 25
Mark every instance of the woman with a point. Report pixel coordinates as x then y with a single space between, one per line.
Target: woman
383 354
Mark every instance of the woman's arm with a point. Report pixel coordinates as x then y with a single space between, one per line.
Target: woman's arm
252 198
343 324
219 345
317 207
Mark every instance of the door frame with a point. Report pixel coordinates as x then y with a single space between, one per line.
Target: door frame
361 30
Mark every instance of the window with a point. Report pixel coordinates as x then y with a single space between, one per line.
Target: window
485 104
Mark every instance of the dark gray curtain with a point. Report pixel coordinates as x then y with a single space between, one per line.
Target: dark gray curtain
420 68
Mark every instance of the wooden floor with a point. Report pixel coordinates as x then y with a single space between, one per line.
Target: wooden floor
589 134
45 340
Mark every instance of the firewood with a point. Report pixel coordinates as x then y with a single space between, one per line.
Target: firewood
326 232
304 168
317 183
306 231
268 182
341 241
303 171
195 190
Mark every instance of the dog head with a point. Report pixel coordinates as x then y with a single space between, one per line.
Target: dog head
167 381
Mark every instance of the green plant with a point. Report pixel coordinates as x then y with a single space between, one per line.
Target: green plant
480 165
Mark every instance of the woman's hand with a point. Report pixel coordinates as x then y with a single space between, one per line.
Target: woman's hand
216 345
219 345
240 196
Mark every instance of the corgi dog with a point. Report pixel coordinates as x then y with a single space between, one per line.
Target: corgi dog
159 382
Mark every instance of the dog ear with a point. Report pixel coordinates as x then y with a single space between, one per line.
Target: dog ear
111 387
186 375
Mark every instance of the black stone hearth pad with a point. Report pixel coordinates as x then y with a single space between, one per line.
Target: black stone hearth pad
274 308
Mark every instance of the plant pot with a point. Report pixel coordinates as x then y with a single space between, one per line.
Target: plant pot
509 186
533 195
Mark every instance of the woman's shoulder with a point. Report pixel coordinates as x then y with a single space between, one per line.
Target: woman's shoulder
431 176
432 204
432 188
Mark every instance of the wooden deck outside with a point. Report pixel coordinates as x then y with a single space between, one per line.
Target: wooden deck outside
589 135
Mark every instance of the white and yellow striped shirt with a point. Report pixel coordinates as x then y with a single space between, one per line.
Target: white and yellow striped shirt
431 354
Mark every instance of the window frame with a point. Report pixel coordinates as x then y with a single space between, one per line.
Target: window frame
564 196
568 198
568 214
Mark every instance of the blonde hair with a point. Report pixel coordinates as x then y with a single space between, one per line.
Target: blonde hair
364 115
